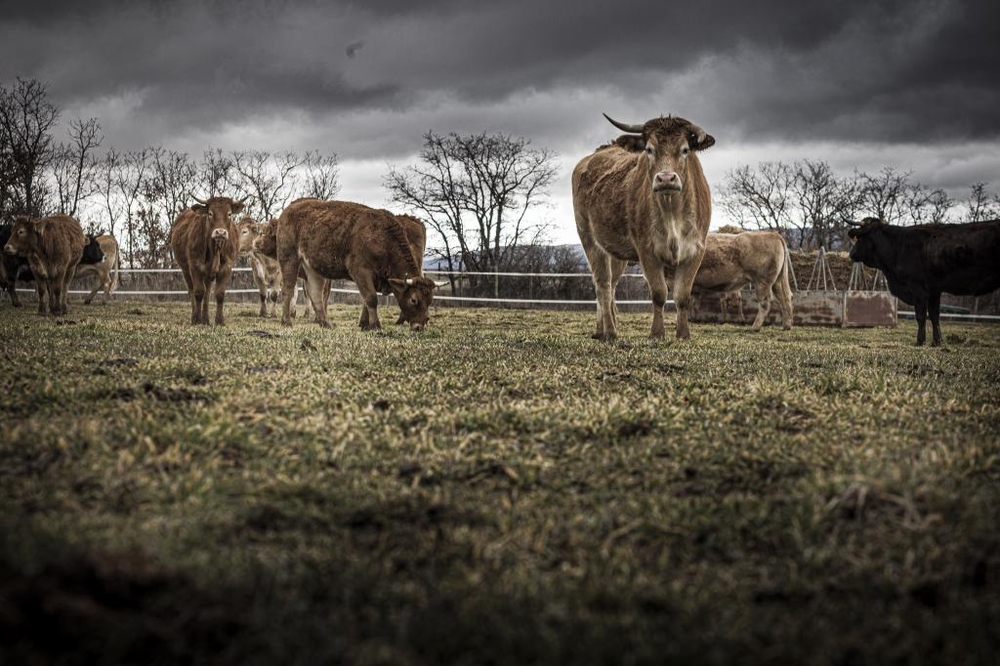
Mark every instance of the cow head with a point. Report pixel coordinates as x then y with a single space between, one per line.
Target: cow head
24 235
414 296
218 212
666 143
267 239
248 231
863 237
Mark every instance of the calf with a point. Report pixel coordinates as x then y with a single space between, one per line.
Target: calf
100 258
266 272
732 261
919 263
53 247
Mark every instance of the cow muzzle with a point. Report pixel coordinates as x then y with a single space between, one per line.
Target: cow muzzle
9 250
666 182
220 234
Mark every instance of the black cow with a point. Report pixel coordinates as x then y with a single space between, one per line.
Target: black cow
10 265
921 262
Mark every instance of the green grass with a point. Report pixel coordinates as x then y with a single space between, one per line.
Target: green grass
500 489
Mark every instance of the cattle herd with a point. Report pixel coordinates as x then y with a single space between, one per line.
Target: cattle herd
642 198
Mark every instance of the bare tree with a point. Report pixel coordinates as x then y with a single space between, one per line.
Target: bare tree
268 179
884 194
106 185
130 180
476 192
322 175
981 205
173 176
761 198
926 206
214 173
825 204
26 121
74 167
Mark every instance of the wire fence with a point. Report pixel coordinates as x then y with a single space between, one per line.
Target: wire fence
463 289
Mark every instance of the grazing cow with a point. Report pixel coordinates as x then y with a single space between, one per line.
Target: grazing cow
343 240
732 261
921 262
10 265
100 258
644 198
53 247
204 243
266 272
266 244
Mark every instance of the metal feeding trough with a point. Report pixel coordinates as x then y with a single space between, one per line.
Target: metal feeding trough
821 303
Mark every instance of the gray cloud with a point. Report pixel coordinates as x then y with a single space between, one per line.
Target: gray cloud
280 73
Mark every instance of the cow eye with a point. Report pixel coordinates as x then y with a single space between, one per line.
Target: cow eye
685 150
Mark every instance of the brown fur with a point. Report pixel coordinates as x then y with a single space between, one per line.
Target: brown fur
620 218
732 261
111 263
53 247
204 242
343 240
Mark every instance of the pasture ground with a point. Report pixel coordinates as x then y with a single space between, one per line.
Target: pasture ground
500 489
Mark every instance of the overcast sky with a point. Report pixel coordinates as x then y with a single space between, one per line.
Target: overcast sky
913 85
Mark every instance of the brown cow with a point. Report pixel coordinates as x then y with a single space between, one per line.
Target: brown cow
204 243
53 247
343 240
265 269
645 198
110 261
732 261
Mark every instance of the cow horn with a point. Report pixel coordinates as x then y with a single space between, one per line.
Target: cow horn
852 223
631 129
409 281
203 203
441 284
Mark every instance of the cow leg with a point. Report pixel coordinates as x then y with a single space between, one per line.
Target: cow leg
605 274
683 281
369 297
652 268
920 310
221 284
263 303
314 290
289 282
198 303
42 290
363 322
763 305
934 310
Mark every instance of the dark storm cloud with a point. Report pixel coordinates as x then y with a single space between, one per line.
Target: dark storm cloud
854 70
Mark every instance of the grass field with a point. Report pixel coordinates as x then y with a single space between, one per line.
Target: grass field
500 489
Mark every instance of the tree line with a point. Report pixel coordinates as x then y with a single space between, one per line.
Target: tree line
135 194
811 204
477 194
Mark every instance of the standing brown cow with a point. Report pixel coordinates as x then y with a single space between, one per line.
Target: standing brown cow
645 198
53 247
343 240
205 247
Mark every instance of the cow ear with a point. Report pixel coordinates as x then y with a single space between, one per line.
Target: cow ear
237 207
199 208
700 140
398 282
40 225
